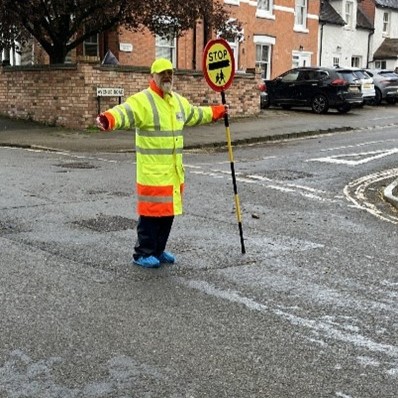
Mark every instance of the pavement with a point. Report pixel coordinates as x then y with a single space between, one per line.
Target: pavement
270 125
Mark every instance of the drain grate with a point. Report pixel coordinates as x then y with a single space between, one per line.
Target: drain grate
104 223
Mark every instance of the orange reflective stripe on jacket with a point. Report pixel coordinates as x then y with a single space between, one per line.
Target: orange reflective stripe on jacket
156 200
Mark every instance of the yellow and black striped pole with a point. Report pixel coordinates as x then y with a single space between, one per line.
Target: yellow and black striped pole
231 160
219 69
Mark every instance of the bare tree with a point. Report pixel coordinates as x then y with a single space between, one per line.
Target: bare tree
61 25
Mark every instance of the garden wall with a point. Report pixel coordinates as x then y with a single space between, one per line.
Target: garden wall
66 95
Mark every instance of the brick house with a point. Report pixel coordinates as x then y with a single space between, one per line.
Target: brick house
275 35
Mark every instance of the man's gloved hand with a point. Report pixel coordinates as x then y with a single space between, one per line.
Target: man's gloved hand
219 111
102 122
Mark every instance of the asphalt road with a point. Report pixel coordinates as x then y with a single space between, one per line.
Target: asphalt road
309 311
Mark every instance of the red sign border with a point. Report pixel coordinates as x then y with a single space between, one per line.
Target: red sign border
209 44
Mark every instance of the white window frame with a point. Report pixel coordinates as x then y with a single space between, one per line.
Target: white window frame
300 15
264 65
265 9
381 64
235 50
170 45
264 41
386 23
349 14
93 44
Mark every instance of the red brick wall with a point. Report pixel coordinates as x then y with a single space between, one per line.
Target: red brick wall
66 95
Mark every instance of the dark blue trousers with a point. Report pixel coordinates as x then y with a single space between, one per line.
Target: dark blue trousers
152 235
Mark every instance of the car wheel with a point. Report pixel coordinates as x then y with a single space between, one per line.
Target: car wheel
286 107
391 101
320 104
344 108
378 97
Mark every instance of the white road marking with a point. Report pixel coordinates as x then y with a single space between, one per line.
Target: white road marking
61 153
317 326
367 143
307 192
355 193
355 159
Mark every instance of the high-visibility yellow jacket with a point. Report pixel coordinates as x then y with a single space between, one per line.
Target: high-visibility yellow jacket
159 121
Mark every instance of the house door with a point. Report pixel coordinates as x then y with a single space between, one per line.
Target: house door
301 58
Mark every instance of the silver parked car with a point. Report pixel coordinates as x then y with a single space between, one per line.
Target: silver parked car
358 75
386 85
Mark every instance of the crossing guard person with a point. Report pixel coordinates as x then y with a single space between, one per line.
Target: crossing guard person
158 115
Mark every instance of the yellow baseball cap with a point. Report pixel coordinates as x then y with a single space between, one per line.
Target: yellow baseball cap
160 65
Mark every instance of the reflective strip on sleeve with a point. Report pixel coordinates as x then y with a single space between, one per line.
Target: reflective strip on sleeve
122 117
130 113
200 118
190 116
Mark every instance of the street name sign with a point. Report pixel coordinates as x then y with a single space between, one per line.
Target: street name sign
110 92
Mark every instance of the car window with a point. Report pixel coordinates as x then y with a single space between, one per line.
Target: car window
360 74
348 75
290 76
306 75
321 75
388 74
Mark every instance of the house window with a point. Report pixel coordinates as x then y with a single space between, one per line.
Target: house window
336 61
382 64
166 48
264 9
264 5
91 47
386 23
349 14
356 62
263 58
301 14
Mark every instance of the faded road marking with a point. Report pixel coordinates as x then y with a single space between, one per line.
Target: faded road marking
355 192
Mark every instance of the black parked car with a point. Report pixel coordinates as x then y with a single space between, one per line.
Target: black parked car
316 87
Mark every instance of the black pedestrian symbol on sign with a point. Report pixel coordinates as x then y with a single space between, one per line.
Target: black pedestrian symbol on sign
220 78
